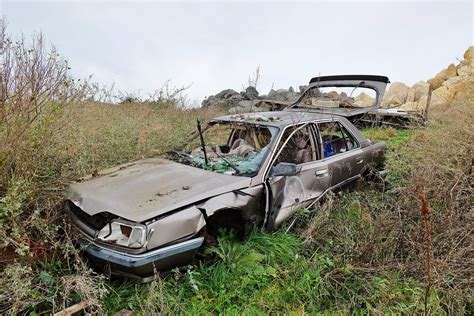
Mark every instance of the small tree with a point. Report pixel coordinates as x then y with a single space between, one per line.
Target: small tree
254 78
34 85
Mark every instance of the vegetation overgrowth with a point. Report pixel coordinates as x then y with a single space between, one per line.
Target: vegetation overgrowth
405 249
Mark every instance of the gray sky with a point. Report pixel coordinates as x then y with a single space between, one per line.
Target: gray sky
216 45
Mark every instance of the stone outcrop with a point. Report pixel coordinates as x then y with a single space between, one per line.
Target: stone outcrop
442 76
396 95
453 84
282 95
444 86
363 99
249 100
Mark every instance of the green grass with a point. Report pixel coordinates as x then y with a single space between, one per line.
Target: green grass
271 274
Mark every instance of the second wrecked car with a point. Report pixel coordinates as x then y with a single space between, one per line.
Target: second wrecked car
242 171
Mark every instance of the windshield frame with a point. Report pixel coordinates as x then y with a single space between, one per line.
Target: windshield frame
273 129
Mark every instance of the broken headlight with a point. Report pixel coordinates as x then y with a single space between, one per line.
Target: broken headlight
124 233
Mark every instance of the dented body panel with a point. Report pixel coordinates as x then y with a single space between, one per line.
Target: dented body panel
156 211
148 188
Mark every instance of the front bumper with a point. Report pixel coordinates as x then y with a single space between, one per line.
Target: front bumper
141 266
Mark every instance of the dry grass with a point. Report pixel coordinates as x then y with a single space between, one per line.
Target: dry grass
386 232
79 139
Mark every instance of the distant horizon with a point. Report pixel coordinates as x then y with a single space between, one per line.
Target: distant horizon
217 46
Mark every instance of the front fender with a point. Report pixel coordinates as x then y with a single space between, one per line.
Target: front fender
248 201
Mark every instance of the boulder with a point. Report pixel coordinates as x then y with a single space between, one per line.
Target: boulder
248 104
469 53
466 69
228 97
245 106
363 99
413 106
236 98
250 93
334 95
442 76
278 95
396 95
440 96
417 91
226 94
452 82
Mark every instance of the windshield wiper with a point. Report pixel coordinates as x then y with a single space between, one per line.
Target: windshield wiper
230 164
181 154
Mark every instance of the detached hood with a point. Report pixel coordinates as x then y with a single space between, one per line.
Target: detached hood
144 189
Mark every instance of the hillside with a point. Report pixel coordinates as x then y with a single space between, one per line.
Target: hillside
405 249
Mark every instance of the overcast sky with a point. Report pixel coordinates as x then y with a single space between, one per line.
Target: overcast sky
216 45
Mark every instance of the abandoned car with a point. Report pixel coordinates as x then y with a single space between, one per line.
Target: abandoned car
355 97
235 172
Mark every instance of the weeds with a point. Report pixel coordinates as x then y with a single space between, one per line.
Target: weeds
358 253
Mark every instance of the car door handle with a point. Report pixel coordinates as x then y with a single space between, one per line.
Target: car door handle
322 173
359 160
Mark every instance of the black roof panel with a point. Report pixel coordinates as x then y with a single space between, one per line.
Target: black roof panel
350 77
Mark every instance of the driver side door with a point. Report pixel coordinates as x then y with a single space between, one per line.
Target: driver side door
299 145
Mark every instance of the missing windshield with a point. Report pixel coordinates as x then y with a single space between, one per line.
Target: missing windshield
229 148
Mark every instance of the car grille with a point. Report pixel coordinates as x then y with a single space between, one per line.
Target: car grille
95 222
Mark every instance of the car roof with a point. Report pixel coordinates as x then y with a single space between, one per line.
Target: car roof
349 78
276 118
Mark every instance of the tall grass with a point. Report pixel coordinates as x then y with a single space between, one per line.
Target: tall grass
88 137
360 253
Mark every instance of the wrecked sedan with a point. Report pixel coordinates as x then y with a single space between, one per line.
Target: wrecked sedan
357 98
236 173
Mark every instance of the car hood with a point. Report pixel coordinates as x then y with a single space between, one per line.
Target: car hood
144 189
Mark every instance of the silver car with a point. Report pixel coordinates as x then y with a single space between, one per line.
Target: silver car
236 172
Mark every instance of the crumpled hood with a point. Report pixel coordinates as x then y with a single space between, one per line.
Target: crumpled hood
144 189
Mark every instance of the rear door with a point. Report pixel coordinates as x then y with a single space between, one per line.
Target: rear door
341 151
299 145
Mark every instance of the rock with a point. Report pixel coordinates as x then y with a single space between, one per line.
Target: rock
452 82
466 69
250 93
363 99
248 103
236 97
334 95
245 106
442 76
226 94
236 110
396 94
226 97
278 95
413 106
440 96
417 91
469 53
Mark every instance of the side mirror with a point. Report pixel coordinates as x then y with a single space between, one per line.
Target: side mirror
284 169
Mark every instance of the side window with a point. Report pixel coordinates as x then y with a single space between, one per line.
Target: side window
335 139
298 146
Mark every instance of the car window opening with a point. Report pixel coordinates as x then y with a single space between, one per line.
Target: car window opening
335 139
234 149
338 97
297 146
